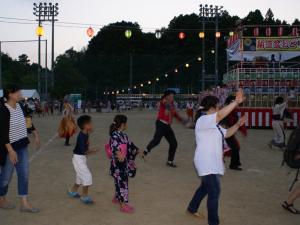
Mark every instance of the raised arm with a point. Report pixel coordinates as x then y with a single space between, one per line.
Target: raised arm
232 130
225 111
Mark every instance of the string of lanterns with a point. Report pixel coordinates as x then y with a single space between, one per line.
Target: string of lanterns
182 35
157 79
280 31
158 34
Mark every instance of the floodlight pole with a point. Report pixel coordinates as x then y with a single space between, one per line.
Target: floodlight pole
47 12
210 14
1 65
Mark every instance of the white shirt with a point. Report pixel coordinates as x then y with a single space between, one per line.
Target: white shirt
17 124
209 151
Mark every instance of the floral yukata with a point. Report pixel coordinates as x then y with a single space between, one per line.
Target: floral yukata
120 171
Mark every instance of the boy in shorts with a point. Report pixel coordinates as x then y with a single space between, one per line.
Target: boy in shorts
83 174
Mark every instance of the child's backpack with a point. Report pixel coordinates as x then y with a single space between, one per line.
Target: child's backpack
108 150
292 151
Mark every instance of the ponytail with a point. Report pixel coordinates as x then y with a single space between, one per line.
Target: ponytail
118 121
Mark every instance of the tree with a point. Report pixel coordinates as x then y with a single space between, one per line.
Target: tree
269 15
23 59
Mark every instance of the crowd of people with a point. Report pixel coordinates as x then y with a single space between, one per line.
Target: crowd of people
215 124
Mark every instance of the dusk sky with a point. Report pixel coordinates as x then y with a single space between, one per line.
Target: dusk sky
148 13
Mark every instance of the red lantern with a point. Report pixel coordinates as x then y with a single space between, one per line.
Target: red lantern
268 31
256 32
90 32
295 31
181 35
280 31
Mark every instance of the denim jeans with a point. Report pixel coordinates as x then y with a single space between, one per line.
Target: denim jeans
22 168
210 186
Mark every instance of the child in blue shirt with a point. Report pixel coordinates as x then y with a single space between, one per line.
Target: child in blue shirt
82 149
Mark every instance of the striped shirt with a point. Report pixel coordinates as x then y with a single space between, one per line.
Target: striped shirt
17 124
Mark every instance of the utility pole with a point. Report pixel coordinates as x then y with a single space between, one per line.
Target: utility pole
130 71
46 69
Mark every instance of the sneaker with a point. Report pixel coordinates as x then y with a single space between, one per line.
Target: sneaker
171 164
127 209
73 194
87 200
237 168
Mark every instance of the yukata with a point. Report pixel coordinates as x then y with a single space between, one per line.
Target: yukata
120 171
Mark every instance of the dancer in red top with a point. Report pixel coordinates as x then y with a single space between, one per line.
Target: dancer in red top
232 141
164 120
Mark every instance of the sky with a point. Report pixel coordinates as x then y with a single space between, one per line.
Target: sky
148 13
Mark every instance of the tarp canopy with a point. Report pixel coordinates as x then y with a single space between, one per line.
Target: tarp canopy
30 93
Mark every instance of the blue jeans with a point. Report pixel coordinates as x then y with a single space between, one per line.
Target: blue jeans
211 187
22 168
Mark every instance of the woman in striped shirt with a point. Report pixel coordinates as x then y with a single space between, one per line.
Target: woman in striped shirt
14 148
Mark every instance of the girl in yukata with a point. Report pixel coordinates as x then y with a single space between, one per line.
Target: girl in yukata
122 165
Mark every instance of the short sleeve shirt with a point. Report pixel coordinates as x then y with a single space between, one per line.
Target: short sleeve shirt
208 157
82 144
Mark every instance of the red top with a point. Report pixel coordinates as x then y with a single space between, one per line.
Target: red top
232 119
166 112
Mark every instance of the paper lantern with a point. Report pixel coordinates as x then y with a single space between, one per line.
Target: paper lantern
268 31
158 34
295 31
280 31
218 34
202 35
231 33
128 34
181 35
90 32
256 32
40 31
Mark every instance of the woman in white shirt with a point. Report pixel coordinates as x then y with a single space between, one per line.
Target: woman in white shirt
208 158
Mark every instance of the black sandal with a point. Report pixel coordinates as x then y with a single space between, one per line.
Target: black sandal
290 208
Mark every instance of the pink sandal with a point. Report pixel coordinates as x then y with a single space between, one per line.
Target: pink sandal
127 209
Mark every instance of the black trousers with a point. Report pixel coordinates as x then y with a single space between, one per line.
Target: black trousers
235 151
164 130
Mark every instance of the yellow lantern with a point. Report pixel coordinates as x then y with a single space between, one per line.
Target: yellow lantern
128 34
201 35
218 34
40 31
231 33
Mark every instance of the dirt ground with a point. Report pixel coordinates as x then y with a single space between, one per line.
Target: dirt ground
160 194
